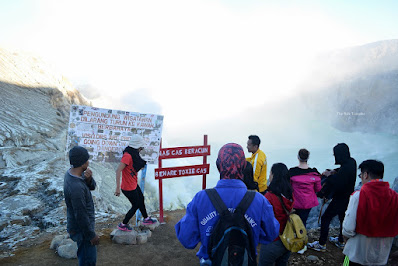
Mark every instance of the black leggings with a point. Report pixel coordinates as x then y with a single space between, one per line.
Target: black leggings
137 202
303 213
336 207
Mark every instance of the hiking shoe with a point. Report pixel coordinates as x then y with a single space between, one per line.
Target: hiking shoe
316 246
302 250
148 221
124 227
335 240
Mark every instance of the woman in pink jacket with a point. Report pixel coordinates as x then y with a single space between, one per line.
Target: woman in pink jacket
305 182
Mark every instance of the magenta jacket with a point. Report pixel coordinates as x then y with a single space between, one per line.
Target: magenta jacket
304 188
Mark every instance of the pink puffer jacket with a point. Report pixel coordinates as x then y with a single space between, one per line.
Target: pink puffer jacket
304 188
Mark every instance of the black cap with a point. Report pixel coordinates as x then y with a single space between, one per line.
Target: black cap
78 156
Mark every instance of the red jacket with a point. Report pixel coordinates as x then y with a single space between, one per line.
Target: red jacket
279 212
377 214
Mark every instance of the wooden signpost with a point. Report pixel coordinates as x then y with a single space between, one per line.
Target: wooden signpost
172 172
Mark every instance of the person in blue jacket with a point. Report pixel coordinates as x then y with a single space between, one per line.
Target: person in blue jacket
200 218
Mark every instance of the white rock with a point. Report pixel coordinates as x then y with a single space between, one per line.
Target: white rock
147 232
56 241
151 226
66 241
142 238
122 237
68 251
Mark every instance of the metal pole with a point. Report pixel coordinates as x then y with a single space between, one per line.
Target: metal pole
204 162
160 191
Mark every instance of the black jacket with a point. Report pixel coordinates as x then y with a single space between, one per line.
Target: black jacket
343 182
80 211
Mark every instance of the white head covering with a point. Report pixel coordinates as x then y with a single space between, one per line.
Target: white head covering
137 142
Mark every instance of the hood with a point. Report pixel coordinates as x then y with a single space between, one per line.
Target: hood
341 153
231 161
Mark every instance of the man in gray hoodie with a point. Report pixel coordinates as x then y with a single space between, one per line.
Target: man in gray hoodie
80 206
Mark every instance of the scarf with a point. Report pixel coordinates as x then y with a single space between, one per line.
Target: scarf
231 161
138 162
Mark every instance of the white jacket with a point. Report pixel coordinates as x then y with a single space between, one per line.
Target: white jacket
359 248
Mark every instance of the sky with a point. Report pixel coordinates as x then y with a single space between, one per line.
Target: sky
192 61
209 67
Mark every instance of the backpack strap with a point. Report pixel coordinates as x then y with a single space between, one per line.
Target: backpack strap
246 201
216 200
283 206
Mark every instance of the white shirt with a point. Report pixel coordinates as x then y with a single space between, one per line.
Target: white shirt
359 248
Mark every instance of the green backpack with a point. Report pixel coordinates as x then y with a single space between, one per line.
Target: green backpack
294 236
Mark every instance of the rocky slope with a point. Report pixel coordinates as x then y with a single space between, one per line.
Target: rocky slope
34 111
356 89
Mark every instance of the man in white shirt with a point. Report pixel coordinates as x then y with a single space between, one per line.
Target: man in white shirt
371 219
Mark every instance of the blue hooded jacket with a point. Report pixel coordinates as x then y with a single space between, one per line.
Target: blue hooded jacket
200 218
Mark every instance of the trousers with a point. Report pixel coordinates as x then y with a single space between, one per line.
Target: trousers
137 202
336 207
86 253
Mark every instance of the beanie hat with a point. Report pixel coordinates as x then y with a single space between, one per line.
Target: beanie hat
137 142
231 161
78 156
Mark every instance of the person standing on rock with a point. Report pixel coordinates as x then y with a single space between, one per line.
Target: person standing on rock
128 168
371 219
78 182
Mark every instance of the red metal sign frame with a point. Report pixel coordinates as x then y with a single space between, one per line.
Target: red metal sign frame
172 172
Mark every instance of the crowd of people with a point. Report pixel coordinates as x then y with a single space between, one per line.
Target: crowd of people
368 223
368 217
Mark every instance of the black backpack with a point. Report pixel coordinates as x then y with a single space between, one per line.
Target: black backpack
231 241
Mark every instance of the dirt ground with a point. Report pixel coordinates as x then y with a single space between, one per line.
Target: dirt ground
162 248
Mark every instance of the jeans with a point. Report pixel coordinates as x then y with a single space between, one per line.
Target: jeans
86 253
137 202
336 207
274 252
303 213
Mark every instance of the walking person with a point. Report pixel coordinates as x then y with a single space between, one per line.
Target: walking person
80 211
306 182
128 168
279 192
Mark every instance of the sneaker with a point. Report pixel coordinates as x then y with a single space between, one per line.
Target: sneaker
124 227
148 221
335 240
316 246
302 250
